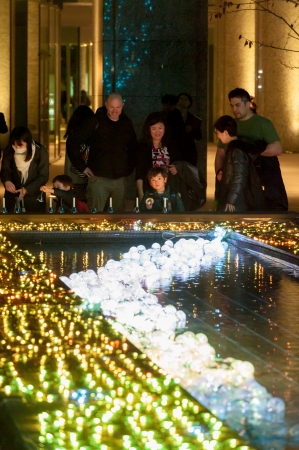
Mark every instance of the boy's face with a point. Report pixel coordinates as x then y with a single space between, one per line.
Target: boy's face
59 185
224 137
158 182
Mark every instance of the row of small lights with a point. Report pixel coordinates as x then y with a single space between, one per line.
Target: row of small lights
283 235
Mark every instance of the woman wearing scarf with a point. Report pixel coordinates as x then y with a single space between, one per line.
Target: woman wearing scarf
25 168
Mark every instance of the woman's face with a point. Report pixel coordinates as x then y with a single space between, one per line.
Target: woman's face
21 144
157 131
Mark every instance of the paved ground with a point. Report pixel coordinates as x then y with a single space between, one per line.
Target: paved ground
289 163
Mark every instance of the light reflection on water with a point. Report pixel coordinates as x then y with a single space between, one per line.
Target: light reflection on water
247 306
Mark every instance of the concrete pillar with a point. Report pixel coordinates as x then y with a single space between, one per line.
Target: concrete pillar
57 80
277 96
83 67
5 14
33 68
97 66
235 64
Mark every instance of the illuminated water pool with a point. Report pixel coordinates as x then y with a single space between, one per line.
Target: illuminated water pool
246 305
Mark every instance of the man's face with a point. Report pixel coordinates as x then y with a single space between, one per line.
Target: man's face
240 109
158 182
114 108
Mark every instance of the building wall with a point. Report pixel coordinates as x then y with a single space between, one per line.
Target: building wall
152 48
26 44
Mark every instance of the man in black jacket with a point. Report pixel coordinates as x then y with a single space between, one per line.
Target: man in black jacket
112 155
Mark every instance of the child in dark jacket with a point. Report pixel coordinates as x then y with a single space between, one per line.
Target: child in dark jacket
239 187
160 196
65 194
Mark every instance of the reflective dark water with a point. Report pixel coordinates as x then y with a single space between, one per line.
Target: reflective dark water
248 307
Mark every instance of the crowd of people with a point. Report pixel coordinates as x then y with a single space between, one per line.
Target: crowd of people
102 150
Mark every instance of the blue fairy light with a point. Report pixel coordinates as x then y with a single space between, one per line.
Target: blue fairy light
126 34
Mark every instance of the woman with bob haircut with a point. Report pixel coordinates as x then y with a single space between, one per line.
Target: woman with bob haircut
25 168
155 150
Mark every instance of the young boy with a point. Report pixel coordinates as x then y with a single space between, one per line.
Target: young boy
64 192
153 200
240 187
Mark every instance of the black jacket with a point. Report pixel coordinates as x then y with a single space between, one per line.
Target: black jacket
268 169
188 183
113 145
38 176
240 184
38 173
177 128
145 161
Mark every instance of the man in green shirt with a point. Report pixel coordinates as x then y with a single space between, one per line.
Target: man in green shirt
258 128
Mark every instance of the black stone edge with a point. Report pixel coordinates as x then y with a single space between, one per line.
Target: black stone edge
265 250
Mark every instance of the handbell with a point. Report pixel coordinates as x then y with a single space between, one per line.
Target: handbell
40 198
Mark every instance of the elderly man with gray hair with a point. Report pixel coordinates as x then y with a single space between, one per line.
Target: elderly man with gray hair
112 156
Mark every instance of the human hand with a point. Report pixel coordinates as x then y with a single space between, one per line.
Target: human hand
88 172
149 203
188 129
22 193
172 169
229 207
219 175
46 189
10 187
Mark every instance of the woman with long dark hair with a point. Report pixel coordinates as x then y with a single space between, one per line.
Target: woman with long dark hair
25 168
76 162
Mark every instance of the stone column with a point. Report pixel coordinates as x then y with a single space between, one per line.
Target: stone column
5 14
235 64
83 66
277 97
57 80
97 65
33 67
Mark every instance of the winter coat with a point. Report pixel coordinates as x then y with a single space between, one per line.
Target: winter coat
113 145
38 176
240 184
188 183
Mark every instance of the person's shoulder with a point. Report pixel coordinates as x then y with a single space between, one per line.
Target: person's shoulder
40 146
143 145
125 119
240 146
261 119
101 111
242 143
171 143
193 116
